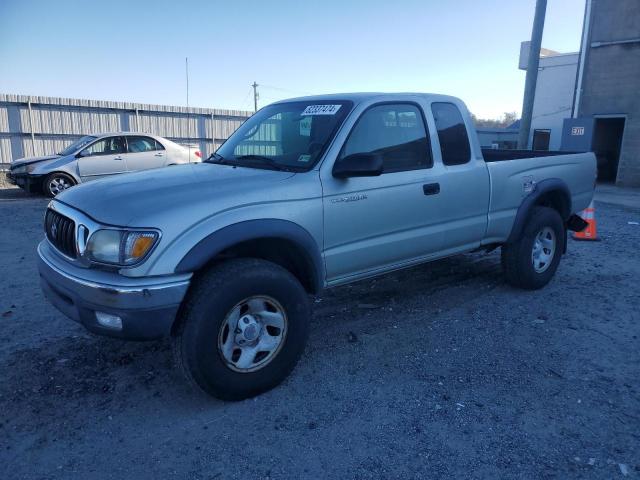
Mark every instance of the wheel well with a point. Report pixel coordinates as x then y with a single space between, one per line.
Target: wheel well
57 172
285 253
552 193
556 199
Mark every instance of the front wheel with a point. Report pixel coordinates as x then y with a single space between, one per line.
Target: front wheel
56 183
242 329
533 259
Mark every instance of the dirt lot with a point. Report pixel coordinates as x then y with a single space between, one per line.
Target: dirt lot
439 371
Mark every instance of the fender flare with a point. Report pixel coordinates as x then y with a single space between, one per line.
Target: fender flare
541 189
220 240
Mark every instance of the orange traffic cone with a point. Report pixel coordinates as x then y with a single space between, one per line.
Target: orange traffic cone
591 232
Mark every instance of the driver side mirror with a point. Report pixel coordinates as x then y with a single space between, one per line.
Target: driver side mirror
83 153
359 165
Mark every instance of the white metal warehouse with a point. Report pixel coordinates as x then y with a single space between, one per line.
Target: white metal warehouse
33 125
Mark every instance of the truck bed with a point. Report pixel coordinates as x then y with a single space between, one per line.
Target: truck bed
499 155
511 181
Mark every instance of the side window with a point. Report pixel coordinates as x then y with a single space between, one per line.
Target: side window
454 142
141 144
397 132
105 146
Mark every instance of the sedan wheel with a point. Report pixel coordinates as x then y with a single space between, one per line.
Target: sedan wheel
57 183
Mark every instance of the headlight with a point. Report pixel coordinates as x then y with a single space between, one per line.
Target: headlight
30 168
22 169
120 247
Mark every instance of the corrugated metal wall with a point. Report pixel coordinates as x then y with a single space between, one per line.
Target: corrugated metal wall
32 126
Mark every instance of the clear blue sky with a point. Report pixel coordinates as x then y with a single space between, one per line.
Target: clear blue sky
135 50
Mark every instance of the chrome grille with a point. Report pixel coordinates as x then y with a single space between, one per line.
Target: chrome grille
60 231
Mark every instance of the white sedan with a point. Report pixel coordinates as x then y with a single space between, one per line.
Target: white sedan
97 156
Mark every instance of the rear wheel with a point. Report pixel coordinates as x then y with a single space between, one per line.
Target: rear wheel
243 328
533 259
56 183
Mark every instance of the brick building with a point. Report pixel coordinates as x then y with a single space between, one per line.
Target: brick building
608 87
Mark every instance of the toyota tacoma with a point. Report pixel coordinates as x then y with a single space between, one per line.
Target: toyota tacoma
307 194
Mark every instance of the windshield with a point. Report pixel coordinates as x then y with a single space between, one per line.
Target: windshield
77 145
286 136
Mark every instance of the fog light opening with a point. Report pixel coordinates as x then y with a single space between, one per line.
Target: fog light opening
108 320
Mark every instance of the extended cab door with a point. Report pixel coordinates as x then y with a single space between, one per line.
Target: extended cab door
373 224
103 157
144 153
464 185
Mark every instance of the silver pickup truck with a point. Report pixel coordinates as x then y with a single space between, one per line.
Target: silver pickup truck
307 194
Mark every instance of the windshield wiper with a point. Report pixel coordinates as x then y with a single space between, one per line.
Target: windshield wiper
217 158
261 158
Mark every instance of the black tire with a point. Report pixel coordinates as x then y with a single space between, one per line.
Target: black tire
63 179
517 257
213 295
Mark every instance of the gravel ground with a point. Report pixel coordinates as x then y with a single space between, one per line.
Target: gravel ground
438 371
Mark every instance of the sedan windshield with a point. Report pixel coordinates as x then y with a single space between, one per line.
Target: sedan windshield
288 136
77 145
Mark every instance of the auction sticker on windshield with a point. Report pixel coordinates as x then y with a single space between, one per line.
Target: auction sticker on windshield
321 110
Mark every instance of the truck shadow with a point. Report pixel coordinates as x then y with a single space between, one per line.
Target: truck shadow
106 373
467 275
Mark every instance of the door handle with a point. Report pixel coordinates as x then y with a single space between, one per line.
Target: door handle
117 158
431 188
158 154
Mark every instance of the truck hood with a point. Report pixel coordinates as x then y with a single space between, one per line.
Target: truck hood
131 199
29 160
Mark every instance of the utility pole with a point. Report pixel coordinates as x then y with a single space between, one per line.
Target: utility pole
186 71
255 96
532 74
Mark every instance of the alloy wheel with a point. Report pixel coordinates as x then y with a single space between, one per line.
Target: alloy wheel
58 184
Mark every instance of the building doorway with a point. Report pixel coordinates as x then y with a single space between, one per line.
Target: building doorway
607 142
541 139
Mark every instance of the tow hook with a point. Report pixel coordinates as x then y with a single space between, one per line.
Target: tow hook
576 223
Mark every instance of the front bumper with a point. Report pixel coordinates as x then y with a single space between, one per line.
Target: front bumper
146 306
30 183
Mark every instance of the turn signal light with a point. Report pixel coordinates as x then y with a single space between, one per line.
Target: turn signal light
141 246
119 246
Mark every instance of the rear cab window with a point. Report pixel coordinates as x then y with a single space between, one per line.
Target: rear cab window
452 133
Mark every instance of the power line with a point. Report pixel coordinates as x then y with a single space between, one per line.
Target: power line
246 97
297 92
